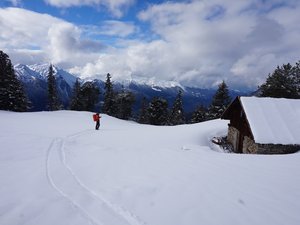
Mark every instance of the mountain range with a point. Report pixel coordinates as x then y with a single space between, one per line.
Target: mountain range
34 80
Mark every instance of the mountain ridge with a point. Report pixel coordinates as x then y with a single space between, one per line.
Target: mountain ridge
34 79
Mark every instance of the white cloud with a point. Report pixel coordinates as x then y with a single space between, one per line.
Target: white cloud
118 28
23 28
139 59
116 7
230 40
27 56
197 42
44 38
250 67
66 46
113 28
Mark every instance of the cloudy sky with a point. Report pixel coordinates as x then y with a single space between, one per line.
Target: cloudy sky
194 42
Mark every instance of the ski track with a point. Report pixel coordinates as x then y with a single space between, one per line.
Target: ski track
57 142
96 209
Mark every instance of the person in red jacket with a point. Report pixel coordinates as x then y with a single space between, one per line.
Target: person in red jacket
97 120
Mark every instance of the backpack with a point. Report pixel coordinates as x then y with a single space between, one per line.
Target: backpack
95 117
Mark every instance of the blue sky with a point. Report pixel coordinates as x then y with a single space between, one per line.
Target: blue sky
85 15
193 42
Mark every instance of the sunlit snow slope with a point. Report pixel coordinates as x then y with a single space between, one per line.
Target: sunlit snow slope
56 169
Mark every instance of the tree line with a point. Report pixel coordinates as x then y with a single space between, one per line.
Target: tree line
283 82
12 95
157 111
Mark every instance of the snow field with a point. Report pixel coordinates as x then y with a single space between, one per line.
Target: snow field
56 169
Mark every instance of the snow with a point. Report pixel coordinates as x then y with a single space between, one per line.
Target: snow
153 82
273 120
40 71
56 169
24 73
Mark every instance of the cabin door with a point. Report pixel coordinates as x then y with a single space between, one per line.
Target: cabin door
236 138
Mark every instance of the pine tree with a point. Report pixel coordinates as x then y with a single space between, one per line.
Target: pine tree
12 95
109 104
282 83
143 115
296 77
177 114
53 101
158 111
199 115
123 103
220 101
21 103
89 96
76 101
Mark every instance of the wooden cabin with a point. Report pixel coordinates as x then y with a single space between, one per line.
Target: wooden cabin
263 125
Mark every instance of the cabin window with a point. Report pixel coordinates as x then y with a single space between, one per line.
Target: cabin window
241 114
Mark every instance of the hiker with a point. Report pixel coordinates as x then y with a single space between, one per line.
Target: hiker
96 118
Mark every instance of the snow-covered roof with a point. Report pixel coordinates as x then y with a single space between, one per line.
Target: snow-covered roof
273 120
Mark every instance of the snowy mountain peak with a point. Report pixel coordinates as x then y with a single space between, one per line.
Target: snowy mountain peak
40 71
25 73
34 79
152 82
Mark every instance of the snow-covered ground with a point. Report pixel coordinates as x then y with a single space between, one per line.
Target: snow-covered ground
56 169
